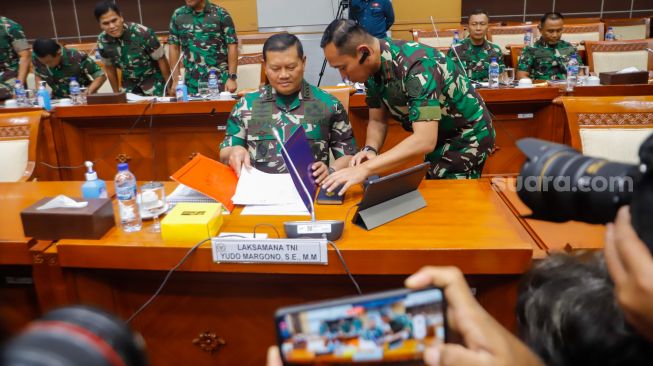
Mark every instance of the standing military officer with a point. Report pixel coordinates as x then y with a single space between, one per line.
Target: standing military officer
134 49
207 35
56 65
475 51
422 89
14 56
285 105
547 59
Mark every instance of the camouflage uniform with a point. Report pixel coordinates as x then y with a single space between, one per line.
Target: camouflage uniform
136 53
418 83
546 62
12 41
321 114
73 63
203 37
477 58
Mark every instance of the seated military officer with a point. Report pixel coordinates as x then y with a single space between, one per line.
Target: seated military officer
134 49
547 59
475 51
286 104
56 65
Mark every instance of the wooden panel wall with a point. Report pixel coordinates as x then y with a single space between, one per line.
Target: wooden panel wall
411 14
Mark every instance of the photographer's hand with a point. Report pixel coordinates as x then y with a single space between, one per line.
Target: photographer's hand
631 267
274 357
485 341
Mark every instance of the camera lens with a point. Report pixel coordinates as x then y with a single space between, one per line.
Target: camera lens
558 183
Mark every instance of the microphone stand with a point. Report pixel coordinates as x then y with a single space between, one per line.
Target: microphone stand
312 229
172 72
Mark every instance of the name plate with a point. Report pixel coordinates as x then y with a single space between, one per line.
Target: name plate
269 251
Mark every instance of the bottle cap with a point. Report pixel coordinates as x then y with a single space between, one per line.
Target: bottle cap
74 78
90 173
123 166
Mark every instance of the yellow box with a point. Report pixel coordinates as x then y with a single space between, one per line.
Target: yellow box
192 222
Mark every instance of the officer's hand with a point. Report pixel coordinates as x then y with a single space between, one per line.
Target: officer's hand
274 357
320 171
239 157
346 177
172 88
485 341
631 268
361 157
231 86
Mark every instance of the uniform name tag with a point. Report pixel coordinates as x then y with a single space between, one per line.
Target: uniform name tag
279 251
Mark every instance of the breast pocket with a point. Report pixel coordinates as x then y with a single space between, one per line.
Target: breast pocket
262 145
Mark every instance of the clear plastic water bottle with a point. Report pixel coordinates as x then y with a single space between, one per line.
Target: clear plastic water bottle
214 85
43 97
456 38
528 38
74 91
182 91
126 193
19 91
572 73
609 35
493 74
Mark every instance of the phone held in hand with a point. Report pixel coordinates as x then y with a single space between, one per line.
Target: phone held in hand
329 198
391 326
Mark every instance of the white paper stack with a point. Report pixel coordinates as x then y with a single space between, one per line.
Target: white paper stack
268 194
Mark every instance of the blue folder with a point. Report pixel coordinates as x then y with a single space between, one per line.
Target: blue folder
302 157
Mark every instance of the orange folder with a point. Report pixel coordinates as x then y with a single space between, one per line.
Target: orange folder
209 177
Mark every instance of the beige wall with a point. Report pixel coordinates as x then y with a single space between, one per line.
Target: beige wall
410 14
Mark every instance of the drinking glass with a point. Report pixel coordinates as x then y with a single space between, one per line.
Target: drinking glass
203 89
583 74
508 75
153 200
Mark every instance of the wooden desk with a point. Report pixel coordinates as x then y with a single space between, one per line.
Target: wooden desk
466 224
21 257
550 237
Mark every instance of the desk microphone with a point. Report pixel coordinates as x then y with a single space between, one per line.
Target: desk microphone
650 50
310 229
172 72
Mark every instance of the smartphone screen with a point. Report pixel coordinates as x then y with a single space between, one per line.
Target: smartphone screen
387 326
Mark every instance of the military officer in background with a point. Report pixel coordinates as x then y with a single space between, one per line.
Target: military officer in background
14 56
476 52
134 49
547 59
206 34
56 65
287 103
422 89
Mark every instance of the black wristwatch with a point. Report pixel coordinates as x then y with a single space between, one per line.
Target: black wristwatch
233 76
370 148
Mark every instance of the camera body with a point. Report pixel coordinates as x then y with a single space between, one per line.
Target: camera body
559 184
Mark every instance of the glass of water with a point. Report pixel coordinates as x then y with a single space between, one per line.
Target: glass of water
583 74
153 200
203 89
508 75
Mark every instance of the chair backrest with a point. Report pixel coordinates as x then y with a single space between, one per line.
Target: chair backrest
252 43
568 20
18 138
251 74
510 35
342 93
441 40
515 52
609 127
629 28
88 48
579 33
606 56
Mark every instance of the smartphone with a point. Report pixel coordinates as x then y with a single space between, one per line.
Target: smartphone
392 326
330 198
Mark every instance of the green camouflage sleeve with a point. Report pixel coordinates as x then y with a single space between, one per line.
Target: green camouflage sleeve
373 94
500 59
37 66
100 47
152 45
90 67
341 135
236 134
173 36
526 59
228 26
422 90
18 39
